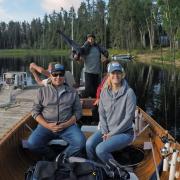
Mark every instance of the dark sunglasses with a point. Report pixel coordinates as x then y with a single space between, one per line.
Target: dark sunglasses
58 74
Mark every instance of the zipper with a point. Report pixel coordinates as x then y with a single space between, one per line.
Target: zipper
57 106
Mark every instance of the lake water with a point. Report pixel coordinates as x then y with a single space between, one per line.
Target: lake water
157 89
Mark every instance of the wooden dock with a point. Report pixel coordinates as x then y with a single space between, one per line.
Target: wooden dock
13 109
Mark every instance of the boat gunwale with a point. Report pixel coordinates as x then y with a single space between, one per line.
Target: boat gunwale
27 117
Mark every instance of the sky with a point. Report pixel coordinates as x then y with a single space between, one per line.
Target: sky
20 10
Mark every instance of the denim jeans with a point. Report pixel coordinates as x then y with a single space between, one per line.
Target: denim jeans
97 149
40 137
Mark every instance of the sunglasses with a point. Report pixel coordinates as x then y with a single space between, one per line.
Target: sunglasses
57 74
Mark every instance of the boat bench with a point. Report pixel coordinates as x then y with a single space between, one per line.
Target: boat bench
54 142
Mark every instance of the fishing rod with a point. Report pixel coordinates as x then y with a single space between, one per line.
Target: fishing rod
76 48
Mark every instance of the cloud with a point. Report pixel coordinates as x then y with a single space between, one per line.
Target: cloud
4 15
50 5
20 10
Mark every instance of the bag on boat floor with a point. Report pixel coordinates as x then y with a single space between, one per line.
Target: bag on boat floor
74 168
90 170
43 170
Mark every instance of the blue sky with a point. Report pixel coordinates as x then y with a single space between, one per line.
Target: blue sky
20 10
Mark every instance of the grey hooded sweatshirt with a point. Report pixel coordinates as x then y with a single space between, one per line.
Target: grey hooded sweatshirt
57 104
117 111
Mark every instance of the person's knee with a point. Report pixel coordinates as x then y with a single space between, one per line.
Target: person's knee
31 145
80 142
100 150
89 144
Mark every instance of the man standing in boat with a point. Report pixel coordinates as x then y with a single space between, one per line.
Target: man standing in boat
116 112
56 108
91 55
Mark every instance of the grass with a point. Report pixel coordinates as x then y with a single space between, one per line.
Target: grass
154 57
32 52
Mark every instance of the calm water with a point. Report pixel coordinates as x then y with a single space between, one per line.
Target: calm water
157 89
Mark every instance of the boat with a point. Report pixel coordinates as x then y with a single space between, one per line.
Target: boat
14 79
123 57
157 150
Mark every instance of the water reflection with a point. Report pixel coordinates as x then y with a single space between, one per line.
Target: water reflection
157 89
158 92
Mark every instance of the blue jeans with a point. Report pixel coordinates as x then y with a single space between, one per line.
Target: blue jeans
97 149
40 137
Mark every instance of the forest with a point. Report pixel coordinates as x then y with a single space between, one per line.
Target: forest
118 24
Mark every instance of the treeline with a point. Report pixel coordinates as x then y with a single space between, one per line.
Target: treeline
122 24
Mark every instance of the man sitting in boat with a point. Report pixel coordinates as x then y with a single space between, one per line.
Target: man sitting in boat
116 112
56 108
35 69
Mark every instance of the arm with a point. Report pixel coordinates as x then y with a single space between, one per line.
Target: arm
37 78
99 89
102 117
77 108
37 109
68 123
129 110
39 69
104 51
85 48
37 105
54 127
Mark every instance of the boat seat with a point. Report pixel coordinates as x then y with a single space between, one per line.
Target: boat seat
90 129
54 142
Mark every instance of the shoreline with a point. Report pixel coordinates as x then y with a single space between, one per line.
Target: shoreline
157 56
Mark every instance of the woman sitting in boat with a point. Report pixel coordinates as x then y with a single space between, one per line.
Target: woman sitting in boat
56 108
116 112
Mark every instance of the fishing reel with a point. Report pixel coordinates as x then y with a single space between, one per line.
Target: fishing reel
164 151
165 139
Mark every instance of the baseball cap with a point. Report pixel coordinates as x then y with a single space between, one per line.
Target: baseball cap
57 68
114 66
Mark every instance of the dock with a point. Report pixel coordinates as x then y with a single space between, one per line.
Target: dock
14 106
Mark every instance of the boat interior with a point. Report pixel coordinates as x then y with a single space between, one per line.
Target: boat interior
143 156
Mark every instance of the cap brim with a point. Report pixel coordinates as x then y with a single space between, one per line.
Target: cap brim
57 70
115 69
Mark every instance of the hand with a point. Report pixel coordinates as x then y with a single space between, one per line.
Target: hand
31 67
106 137
76 57
54 127
105 60
96 102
